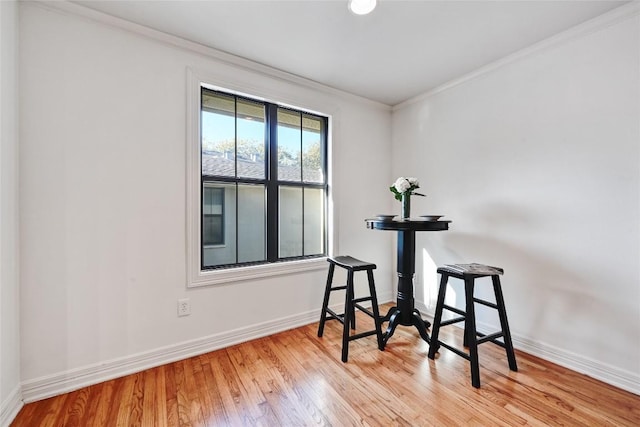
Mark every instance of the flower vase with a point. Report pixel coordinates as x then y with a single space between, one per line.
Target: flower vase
406 206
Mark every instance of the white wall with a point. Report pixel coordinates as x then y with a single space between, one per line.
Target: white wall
102 175
536 162
9 294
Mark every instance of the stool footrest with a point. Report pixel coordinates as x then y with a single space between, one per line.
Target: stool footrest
452 321
455 350
455 310
487 303
340 317
365 310
362 335
338 288
334 315
491 338
363 299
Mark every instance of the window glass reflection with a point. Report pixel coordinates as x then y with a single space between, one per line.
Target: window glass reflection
250 139
289 143
312 150
252 235
313 221
290 222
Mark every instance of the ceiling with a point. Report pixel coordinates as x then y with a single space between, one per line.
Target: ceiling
400 50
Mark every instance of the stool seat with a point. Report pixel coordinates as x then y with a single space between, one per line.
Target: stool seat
351 263
351 303
472 338
473 270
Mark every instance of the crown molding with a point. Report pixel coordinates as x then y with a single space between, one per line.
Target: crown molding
71 9
598 23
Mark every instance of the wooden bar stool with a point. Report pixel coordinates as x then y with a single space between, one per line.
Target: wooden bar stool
472 338
348 318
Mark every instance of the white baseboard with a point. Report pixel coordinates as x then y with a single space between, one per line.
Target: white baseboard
64 382
616 377
10 407
609 374
52 385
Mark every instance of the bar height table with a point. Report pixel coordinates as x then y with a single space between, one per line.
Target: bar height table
405 313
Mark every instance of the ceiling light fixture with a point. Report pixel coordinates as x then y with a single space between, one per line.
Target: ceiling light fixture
362 7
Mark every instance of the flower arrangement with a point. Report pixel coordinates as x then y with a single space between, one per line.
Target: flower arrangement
405 187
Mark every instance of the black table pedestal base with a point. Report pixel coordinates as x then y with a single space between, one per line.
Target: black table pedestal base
394 317
405 313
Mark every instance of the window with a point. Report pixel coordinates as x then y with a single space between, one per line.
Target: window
263 182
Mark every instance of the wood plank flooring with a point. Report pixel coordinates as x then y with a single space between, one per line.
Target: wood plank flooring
295 378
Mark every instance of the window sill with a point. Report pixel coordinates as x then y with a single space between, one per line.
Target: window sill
220 277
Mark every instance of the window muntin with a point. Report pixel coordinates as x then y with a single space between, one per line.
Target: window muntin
268 217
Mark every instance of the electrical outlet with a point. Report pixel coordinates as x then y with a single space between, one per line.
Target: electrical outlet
184 307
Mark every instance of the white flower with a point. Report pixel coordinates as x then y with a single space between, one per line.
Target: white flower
404 184
404 187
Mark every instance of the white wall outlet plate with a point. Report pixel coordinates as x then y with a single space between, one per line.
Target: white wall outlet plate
184 307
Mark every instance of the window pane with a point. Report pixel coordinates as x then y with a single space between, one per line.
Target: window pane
289 141
251 132
312 149
223 202
212 215
218 134
290 222
212 230
313 221
252 233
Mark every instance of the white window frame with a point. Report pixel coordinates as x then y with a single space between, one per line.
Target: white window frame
196 276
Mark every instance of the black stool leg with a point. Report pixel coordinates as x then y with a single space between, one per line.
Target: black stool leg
465 335
353 307
325 302
470 332
348 314
435 331
374 308
502 312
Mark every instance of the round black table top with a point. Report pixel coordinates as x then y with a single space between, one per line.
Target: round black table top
412 224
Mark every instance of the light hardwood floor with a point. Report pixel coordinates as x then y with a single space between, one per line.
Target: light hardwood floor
295 378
